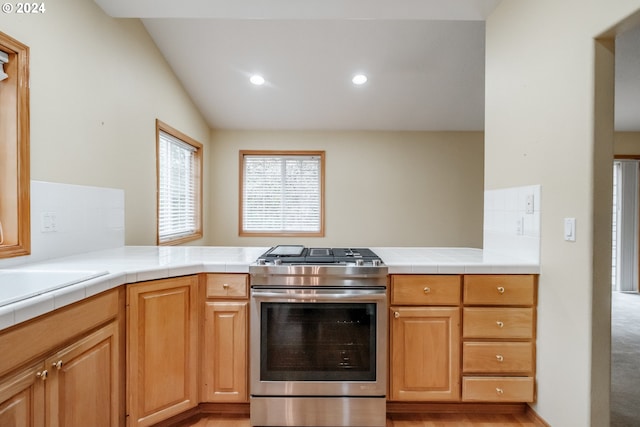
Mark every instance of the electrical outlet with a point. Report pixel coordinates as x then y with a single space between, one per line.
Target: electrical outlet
49 222
530 204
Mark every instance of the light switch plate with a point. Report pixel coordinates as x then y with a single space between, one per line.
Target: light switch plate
570 229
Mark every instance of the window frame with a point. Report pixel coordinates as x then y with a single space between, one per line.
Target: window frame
197 233
282 153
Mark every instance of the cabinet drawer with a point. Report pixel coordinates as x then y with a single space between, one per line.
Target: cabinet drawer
227 286
497 322
497 389
425 290
497 357
499 289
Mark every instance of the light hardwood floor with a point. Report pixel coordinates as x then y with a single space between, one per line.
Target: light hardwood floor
422 420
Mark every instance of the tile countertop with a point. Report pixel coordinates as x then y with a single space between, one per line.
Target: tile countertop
30 290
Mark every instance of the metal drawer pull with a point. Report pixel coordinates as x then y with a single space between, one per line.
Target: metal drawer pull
499 358
501 289
225 285
500 324
57 365
396 314
427 290
499 391
42 375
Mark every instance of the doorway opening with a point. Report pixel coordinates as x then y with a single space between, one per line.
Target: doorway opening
625 299
625 258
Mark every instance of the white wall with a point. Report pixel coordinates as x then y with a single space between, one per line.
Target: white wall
97 86
381 188
541 127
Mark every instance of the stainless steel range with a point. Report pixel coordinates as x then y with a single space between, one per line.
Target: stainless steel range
318 337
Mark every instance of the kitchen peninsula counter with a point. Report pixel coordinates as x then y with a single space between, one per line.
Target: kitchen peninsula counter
48 285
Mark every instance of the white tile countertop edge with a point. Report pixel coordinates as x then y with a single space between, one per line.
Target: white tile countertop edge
130 264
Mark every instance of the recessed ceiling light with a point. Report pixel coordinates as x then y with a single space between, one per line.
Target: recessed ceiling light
359 79
257 79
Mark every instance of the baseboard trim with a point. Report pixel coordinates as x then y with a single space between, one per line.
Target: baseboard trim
184 418
395 410
453 407
537 419
225 408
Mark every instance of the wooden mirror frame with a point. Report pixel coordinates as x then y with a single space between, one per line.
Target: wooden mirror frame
15 183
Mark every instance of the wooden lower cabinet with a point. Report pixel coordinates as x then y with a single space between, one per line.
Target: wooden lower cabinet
425 354
162 346
22 398
424 338
225 353
77 386
225 334
498 333
468 338
66 368
82 387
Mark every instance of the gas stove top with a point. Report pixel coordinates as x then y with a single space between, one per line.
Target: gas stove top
296 265
300 255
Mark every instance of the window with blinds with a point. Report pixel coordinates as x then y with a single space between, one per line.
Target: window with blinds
179 186
282 193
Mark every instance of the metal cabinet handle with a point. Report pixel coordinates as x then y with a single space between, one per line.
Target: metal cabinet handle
225 286
57 365
396 314
427 290
500 289
42 374
499 357
500 324
499 391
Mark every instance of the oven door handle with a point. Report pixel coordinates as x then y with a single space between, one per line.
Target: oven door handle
359 295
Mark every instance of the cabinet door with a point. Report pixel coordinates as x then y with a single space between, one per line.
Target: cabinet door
22 399
425 353
162 333
84 382
225 352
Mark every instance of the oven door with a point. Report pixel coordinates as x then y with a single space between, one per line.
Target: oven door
318 342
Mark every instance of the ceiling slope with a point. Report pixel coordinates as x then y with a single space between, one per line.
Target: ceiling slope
424 60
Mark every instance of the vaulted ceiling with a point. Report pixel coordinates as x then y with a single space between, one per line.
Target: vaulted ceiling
424 60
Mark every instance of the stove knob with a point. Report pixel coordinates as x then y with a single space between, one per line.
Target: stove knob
359 262
376 262
277 261
262 261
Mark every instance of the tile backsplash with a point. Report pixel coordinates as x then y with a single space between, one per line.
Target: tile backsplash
68 219
512 222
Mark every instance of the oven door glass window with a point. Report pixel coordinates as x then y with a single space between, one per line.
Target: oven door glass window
318 341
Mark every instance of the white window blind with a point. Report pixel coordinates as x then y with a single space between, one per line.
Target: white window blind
282 194
177 215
